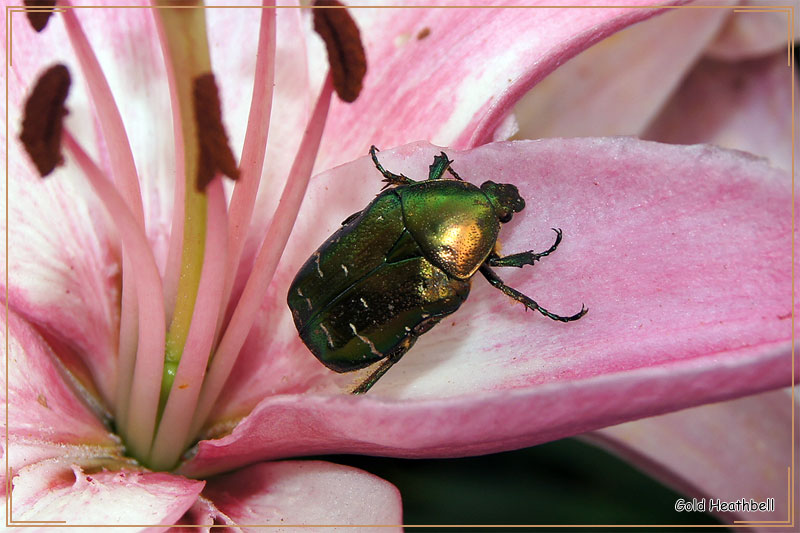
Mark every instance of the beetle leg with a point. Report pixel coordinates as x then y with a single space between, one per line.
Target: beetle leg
389 177
453 172
497 283
523 258
351 218
441 163
384 366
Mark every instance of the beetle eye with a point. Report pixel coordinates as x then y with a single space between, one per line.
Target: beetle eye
505 199
505 217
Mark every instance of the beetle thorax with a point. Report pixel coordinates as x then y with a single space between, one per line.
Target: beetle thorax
453 222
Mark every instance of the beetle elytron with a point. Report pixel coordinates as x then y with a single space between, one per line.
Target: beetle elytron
396 268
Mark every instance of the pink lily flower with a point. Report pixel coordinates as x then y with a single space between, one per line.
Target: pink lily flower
722 78
682 255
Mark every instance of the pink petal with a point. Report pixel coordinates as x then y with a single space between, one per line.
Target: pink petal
745 105
63 269
294 493
752 34
45 416
456 85
58 490
728 451
681 254
131 59
618 85
203 513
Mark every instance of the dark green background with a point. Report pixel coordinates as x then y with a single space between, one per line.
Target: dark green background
562 482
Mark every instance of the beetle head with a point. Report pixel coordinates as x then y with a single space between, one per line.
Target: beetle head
505 199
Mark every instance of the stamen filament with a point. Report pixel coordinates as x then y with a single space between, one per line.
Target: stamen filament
125 176
139 426
174 425
267 259
253 151
128 338
123 167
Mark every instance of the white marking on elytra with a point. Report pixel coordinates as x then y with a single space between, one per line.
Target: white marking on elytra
364 302
327 334
299 293
380 217
365 340
316 260
345 269
310 305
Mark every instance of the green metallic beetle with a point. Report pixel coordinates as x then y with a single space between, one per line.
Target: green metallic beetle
396 268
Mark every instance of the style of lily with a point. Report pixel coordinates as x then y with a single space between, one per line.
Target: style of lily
681 253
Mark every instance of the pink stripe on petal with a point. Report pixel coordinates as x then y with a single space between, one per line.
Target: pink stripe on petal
91 495
681 254
63 268
727 451
306 493
455 86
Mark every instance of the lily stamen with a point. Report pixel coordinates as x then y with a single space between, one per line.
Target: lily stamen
267 259
125 176
140 425
251 163
189 374
169 327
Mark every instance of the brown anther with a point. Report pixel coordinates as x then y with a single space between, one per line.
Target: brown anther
345 51
424 32
42 122
39 17
215 154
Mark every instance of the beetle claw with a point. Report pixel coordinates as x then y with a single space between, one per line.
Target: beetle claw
396 179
